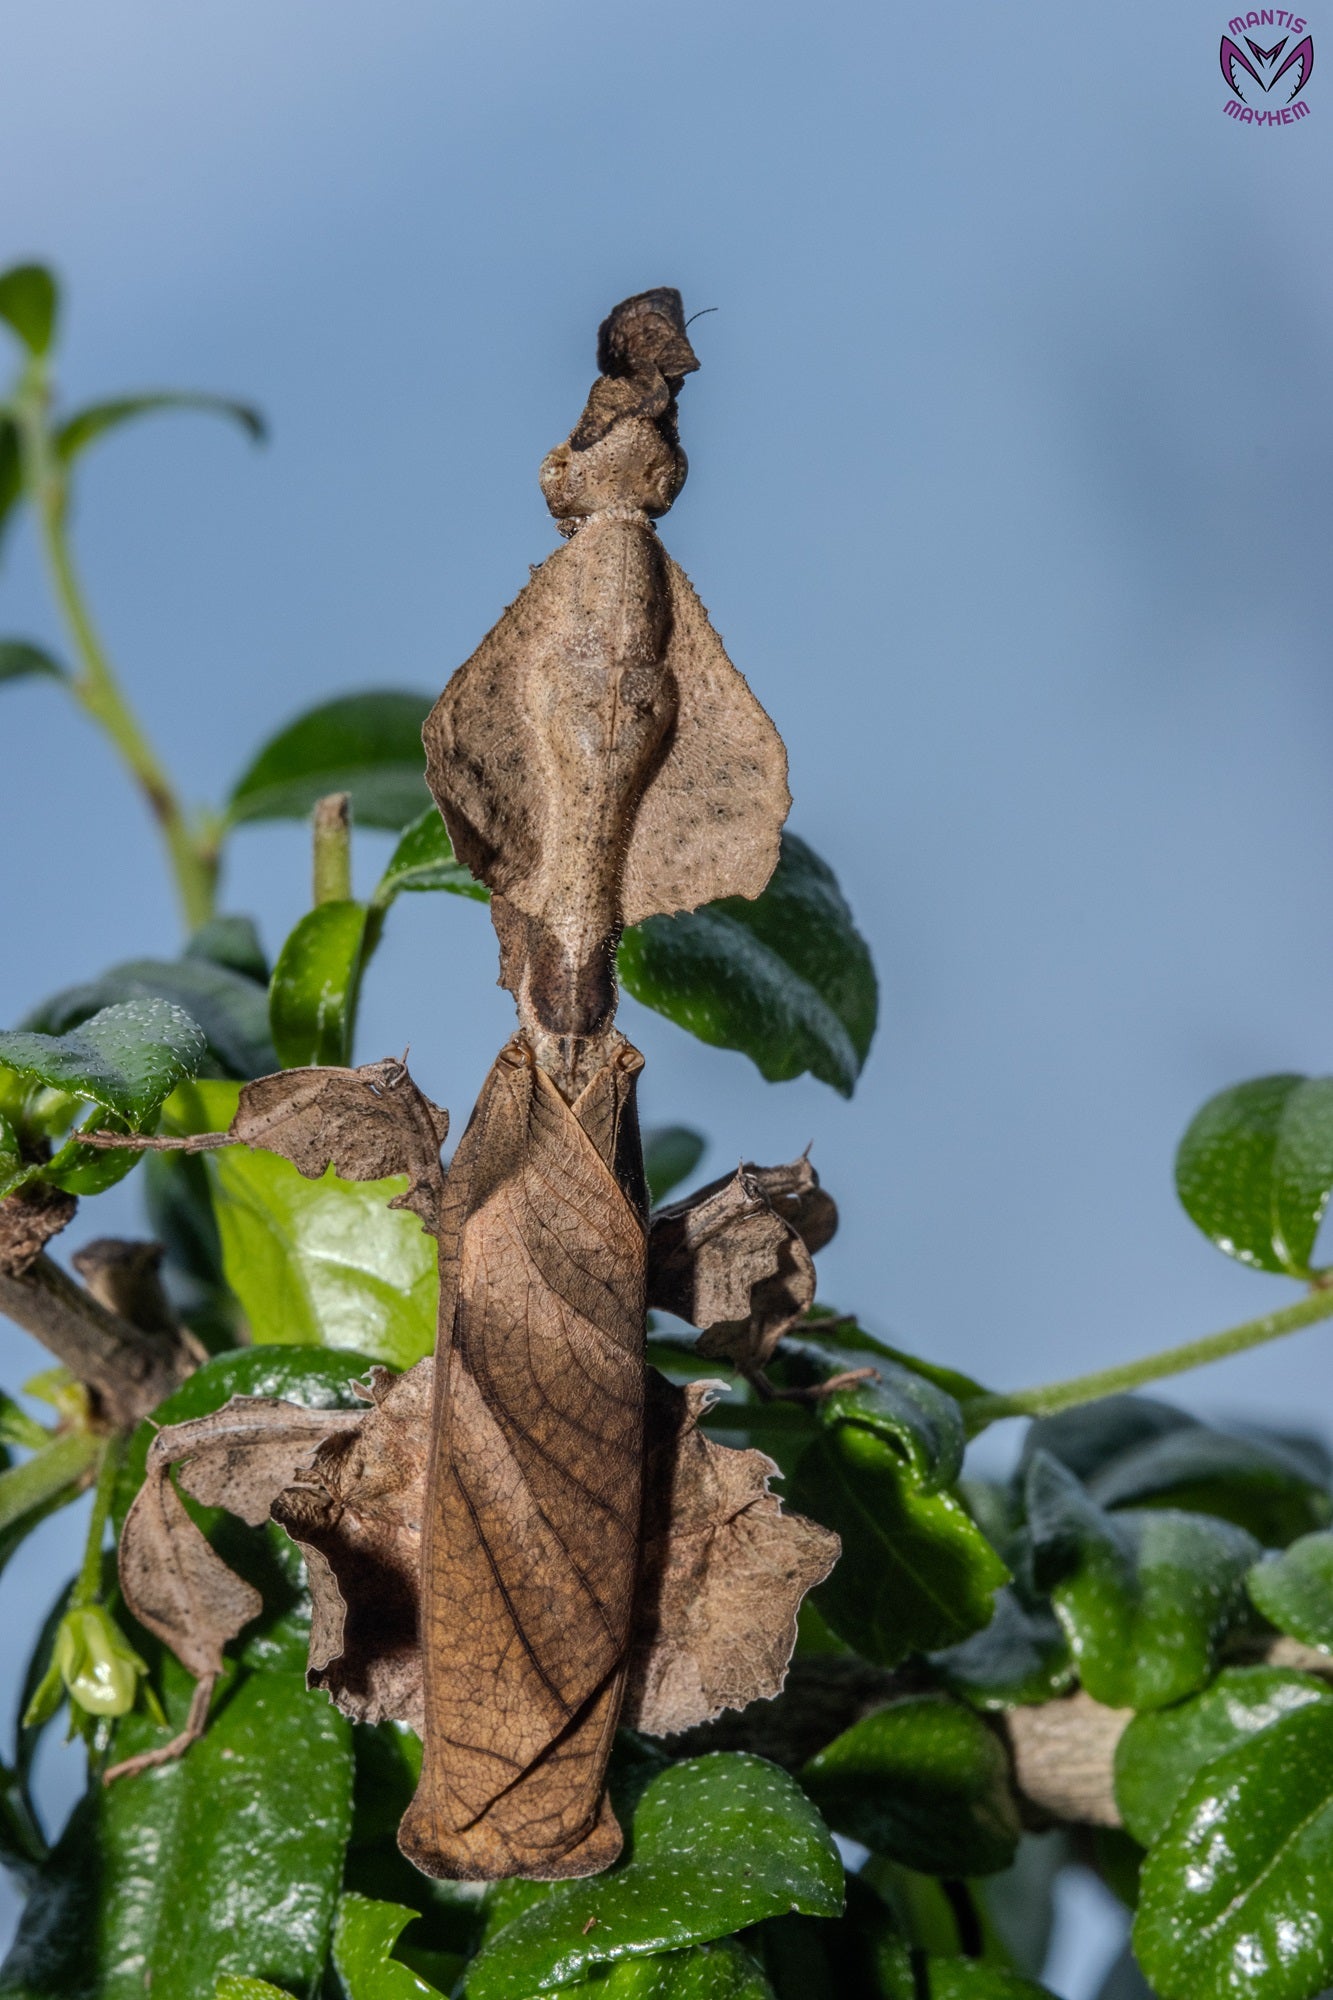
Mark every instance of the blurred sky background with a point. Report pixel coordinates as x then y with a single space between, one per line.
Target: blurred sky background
1009 493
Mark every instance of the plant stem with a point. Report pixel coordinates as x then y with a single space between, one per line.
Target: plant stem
96 687
88 1587
1052 1396
332 881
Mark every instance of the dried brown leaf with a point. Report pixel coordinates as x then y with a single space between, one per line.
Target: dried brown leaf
724 1572
367 1124
240 1457
356 1514
598 758
734 1259
531 1534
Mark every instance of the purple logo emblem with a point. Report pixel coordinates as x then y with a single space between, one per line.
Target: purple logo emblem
1266 82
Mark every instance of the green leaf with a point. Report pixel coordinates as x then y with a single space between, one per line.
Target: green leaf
229 1007
11 471
787 978
922 1421
1232 1896
226 1861
1160 1754
233 942
326 1262
1146 1598
13 1166
916 1572
363 1941
366 744
924 1781
1295 1591
20 659
1258 1482
1021 1657
127 1058
670 1155
424 859
231 1987
671 1889
28 303
1255 1170
312 998
96 419
55 1474
861 1955
840 1333
969 1979
1094 1435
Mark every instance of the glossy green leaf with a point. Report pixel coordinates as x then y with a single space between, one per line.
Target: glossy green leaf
227 1860
230 1987
232 942
1295 1591
1260 1483
29 302
312 998
56 1473
231 1009
20 659
1233 1894
1160 1754
96 419
13 1166
1091 1437
1021 1657
326 1262
969 1979
786 978
1146 1598
363 1940
11 472
916 1572
723 1970
1255 1169
424 859
717 1842
670 1155
842 1333
127 1058
861 1955
366 744
923 1422
924 1781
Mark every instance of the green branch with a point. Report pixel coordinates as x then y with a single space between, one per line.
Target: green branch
96 686
1052 1396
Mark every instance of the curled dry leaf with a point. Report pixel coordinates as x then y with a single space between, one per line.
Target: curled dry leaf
735 1258
368 1124
714 1614
240 1457
724 1572
599 759
356 1514
532 1522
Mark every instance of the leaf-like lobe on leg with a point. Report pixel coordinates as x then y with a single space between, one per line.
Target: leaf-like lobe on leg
724 1572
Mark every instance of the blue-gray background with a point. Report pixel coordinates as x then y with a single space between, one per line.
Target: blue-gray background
1010 495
